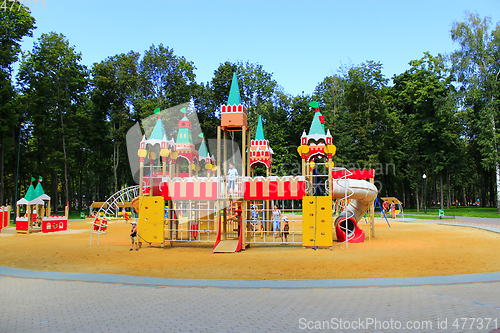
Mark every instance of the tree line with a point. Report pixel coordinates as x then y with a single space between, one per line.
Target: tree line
68 122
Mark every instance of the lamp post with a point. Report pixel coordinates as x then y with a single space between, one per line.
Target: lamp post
424 176
17 172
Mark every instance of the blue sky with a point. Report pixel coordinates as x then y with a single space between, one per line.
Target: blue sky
300 42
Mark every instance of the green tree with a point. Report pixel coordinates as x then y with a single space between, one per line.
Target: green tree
165 80
476 68
54 84
330 94
209 97
14 25
115 82
423 96
364 98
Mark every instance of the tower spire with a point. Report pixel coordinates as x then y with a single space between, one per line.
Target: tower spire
234 92
259 134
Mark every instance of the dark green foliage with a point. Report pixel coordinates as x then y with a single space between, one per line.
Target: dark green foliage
14 25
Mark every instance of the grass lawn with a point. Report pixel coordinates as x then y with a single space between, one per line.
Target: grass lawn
428 217
472 211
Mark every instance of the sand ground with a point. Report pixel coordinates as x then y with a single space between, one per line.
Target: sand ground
404 250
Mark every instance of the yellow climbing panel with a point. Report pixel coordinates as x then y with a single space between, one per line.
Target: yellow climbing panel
317 221
151 217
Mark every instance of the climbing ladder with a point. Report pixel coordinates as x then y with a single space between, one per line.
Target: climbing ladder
110 209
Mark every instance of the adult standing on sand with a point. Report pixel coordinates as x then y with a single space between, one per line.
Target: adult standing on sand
133 236
393 210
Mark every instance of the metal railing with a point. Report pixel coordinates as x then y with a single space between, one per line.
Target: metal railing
317 184
191 221
110 209
231 188
261 226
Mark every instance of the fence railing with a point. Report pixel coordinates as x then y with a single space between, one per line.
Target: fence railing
231 187
194 221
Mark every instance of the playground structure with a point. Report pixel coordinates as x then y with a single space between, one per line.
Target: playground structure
234 209
37 217
397 203
4 217
110 209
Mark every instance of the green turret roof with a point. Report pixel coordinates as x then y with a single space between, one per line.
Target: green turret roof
158 131
316 126
259 134
234 92
39 190
30 194
184 134
203 151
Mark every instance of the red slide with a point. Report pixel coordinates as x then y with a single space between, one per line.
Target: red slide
354 232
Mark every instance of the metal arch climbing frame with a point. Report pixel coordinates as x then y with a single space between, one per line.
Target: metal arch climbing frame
110 208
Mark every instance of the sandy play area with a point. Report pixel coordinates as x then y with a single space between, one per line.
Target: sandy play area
404 250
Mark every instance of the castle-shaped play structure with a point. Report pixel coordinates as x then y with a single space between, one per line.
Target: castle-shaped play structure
188 195
36 217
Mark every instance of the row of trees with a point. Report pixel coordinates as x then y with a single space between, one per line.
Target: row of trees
68 123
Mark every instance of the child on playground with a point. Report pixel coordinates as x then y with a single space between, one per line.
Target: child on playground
125 216
286 229
276 221
231 178
384 207
255 215
133 236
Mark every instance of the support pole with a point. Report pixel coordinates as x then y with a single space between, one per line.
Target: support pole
141 175
248 153
243 224
243 153
224 224
151 178
244 166
219 166
224 162
330 184
372 213
28 213
219 148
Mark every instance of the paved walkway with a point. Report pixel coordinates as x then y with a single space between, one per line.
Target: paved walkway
49 302
32 301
